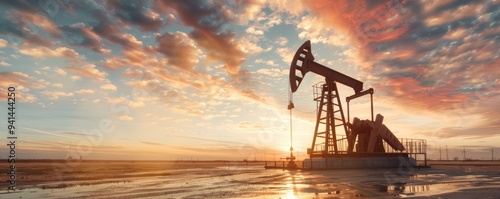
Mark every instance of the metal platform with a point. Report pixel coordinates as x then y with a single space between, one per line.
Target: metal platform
350 161
414 148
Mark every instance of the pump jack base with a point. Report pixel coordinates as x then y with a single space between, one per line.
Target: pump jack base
351 161
357 162
291 165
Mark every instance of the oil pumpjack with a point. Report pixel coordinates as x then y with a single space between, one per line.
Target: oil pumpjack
367 143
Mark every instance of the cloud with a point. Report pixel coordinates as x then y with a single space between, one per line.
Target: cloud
19 79
26 22
126 118
108 86
252 30
273 72
136 57
409 91
221 47
45 52
136 13
188 110
250 46
88 71
389 53
38 20
80 34
84 91
251 95
456 14
22 83
86 23
75 78
2 63
27 97
271 63
250 126
57 85
293 7
132 73
207 20
3 43
60 71
434 62
54 95
98 27
179 49
281 41
469 119
136 104
111 32
317 30
359 22
286 54
152 143
116 100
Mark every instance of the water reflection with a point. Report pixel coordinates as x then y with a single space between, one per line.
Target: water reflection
404 188
294 178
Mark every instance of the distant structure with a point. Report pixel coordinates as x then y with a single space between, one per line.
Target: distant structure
68 155
464 153
447 152
439 152
492 158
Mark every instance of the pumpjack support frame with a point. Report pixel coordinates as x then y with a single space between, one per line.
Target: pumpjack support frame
331 118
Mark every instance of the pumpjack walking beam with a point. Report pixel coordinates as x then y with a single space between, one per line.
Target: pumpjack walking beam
303 62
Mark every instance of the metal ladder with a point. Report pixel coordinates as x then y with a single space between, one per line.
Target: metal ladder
329 116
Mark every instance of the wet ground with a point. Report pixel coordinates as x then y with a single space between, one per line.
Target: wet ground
239 180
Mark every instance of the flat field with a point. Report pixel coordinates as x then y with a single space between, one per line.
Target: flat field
221 179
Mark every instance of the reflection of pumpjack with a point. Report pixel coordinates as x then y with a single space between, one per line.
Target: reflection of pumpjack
369 134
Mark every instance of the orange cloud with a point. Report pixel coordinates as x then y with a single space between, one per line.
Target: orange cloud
220 45
428 62
21 82
53 95
44 52
38 20
361 21
89 71
179 49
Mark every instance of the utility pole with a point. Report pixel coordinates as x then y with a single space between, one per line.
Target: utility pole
439 152
464 153
492 155
447 152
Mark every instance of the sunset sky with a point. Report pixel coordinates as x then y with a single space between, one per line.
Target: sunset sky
209 79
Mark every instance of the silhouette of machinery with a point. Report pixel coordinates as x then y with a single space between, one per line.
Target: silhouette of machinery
361 136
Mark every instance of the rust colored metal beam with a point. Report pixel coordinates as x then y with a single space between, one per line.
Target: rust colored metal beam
303 62
360 94
374 133
379 129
